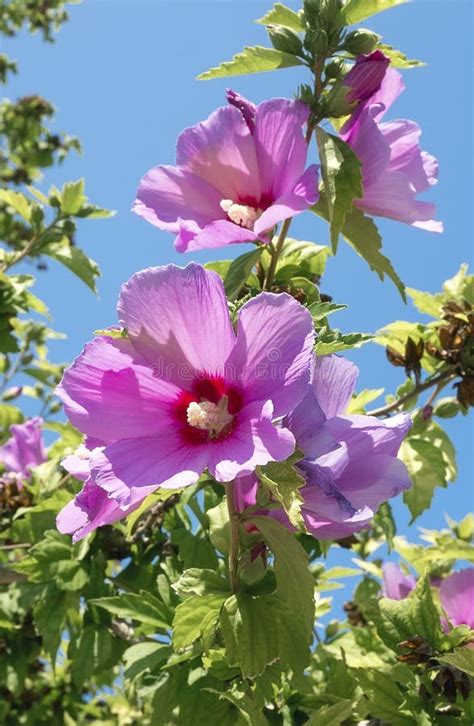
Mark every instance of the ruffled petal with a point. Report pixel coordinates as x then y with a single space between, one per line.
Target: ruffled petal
221 234
273 351
110 392
89 510
396 585
364 435
457 597
334 381
221 151
281 148
393 196
130 469
254 442
304 194
167 194
373 480
179 320
25 448
406 156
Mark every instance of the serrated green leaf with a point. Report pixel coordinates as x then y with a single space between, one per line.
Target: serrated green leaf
201 582
425 302
320 310
342 177
284 482
354 11
143 657
18 202
332 715
362 235
334 341
194 617
461 658
359 402
399 59
253 59
72 197
239 271
75 260
143 607
461 286
281 15
386 700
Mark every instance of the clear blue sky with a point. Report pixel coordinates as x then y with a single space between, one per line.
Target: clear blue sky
122 76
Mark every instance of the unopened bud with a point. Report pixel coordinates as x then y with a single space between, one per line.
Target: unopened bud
361 41
285 40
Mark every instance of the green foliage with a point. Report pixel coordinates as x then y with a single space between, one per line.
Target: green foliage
354 11
282 15
399 59
254 59
341 171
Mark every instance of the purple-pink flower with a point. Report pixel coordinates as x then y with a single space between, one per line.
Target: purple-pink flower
457 598
24 449
394 168
456 592
183 392
349 463
366 76
236 176
396 585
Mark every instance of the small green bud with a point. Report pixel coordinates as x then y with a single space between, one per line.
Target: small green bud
285 39
334 68
361 41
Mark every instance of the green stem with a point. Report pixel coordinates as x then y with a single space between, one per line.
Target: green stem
276 254
440 381
234 538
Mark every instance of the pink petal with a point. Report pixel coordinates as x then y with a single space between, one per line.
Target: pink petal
272 354
254 442
373 480
334 380
110 392
303 195
403 137
280 144
457 597
178 318
167 194
221 151
220 234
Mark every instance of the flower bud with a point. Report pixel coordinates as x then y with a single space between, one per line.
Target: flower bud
360 83
361 41
285 39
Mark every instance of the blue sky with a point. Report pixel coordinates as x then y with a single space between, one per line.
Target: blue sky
122 76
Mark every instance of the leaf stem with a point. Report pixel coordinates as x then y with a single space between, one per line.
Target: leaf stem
276 254
234 538
440 381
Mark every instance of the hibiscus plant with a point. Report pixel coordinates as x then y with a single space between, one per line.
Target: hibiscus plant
176 503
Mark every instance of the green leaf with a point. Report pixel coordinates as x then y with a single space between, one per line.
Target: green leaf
461 286
461 658
254 59
9 415
144 657
301 258
196 617
75 260
239 271
48 613
201 582
385 699
425 302
431 461
359 402
342 176
332 715
354 11
333 341
399 59
72 197
400 620
363 236
143 607
248 633
284 482
295 584
18 202
320 310
281 15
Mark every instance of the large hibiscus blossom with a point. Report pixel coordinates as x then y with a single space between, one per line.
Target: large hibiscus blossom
183 392
236 176
349 463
